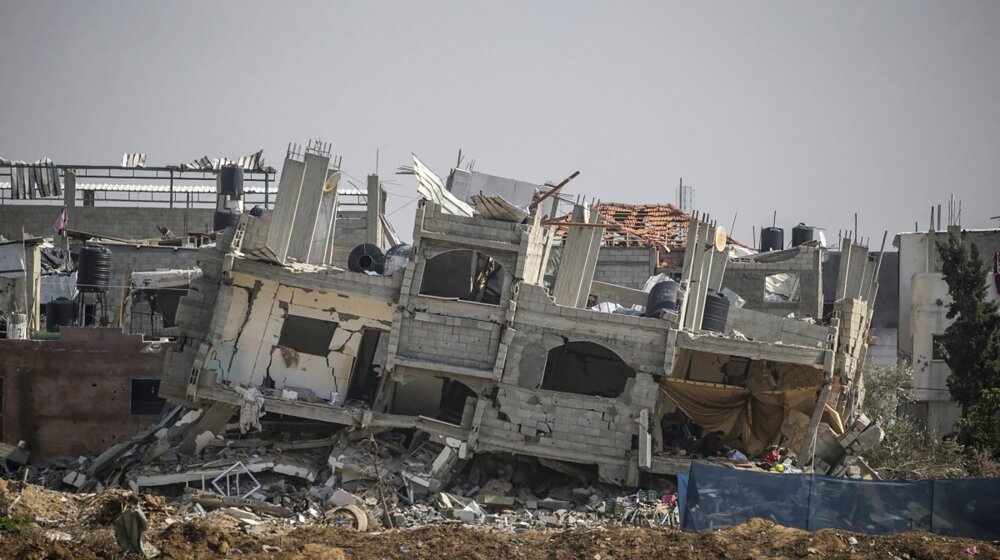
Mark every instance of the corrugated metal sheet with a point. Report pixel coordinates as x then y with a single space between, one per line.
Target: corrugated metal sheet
252 162
431 188
496 208
133 160
465 184
39 179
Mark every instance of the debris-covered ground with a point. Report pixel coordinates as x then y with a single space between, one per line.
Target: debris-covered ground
42 523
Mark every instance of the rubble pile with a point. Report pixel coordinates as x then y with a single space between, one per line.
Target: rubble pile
366 481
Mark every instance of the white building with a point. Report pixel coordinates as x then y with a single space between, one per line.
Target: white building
923 305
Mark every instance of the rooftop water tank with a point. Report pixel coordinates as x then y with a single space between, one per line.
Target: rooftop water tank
662 296
230 180
772 239
801 234
716 312
93 269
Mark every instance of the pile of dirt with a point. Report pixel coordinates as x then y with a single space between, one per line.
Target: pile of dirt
36 502
104 508
754 539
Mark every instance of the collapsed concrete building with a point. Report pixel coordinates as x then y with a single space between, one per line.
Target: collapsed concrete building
461 335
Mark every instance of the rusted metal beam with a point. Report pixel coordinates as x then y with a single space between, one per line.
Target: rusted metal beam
554 190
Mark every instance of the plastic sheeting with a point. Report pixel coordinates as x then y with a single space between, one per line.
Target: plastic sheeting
967 508
718 497
751 419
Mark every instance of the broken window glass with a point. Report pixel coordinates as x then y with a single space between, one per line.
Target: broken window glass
307 335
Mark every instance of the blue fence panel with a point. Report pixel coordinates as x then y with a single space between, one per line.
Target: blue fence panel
713 497
719 497
872 507
967 508
682 491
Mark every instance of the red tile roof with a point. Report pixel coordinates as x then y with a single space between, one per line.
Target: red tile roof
663 226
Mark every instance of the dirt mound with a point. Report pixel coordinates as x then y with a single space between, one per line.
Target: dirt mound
36 544
755 539
195 540
105 507
35 502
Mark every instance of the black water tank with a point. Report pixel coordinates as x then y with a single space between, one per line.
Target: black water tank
93 270
59 312
230 180
662 296
366 257
223 220
772 239
404 250
801 234
716 312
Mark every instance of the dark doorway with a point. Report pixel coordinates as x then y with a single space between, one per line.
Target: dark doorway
465 275
367 366
145 398
586 368
454 395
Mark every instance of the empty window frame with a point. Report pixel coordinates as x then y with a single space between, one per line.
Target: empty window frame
145 397
465 275
938 351
307 335
586 368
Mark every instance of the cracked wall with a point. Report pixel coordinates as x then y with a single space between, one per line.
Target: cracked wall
246 352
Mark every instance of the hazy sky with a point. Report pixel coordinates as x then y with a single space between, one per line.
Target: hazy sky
814 109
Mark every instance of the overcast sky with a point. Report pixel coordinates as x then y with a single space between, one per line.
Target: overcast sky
815 109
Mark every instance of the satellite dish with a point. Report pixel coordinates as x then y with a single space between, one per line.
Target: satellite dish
720 239
331 182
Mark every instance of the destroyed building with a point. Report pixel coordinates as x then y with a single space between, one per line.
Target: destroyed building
461 335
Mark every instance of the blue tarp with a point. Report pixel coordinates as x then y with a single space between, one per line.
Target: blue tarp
715 497
682 488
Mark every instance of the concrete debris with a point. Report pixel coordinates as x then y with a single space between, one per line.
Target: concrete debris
251 408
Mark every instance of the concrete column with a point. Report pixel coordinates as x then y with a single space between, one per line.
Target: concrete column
375 208
579 260
69 196
32 279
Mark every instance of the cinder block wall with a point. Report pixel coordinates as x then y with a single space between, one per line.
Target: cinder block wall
126 259
350 230
624 266
116 221
748 278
